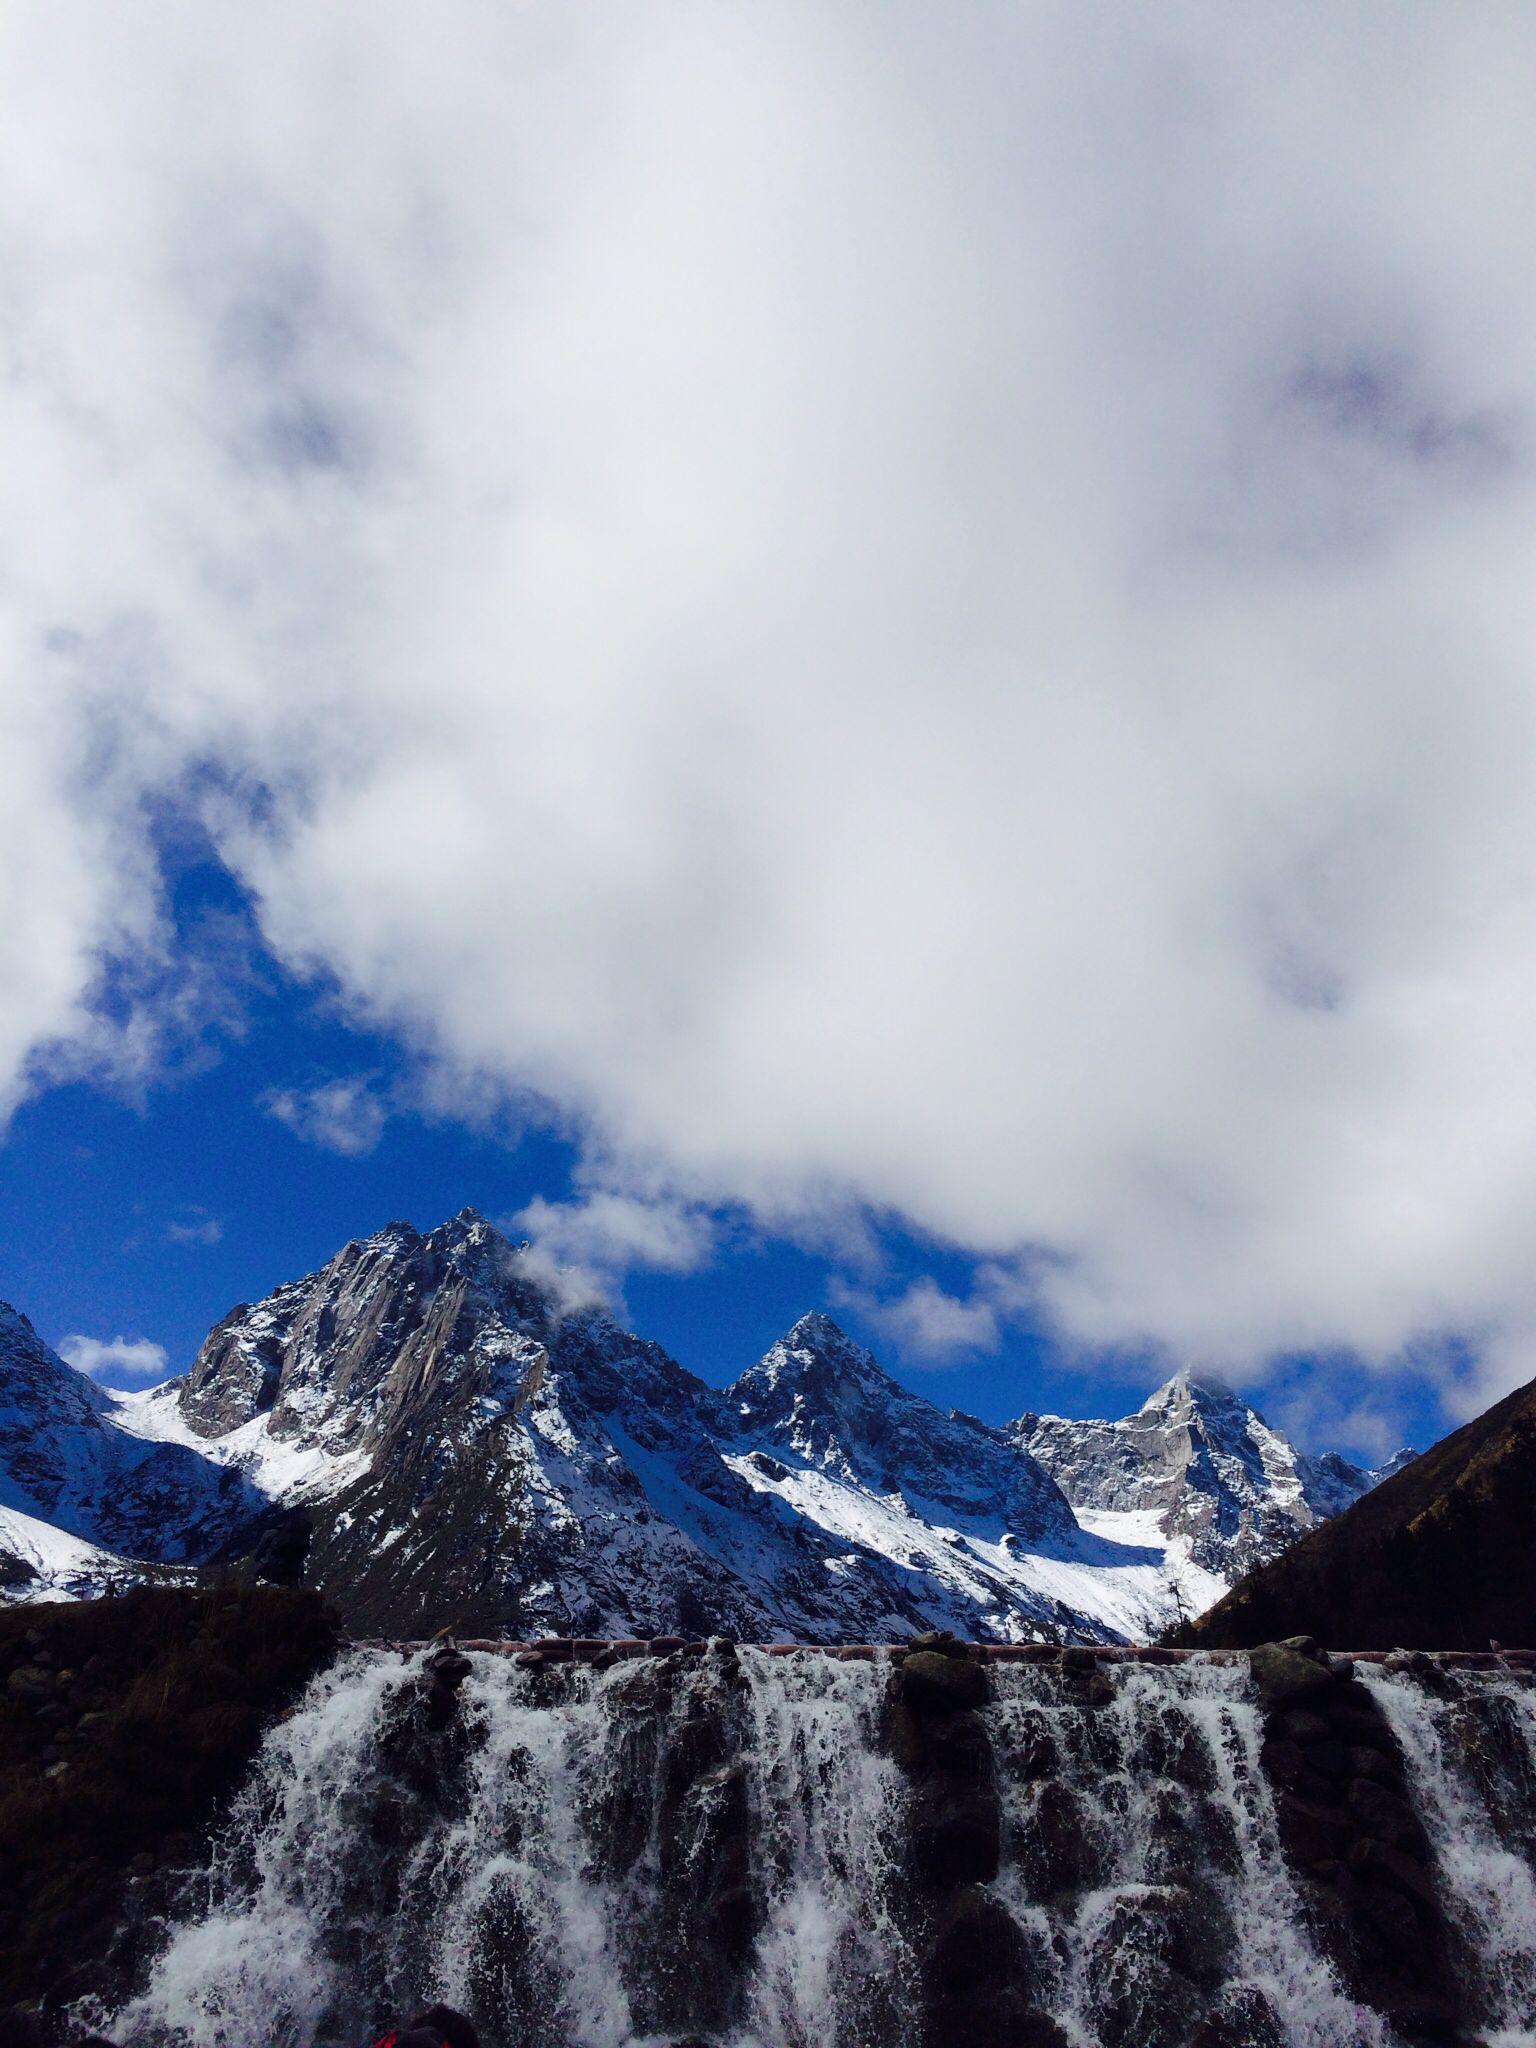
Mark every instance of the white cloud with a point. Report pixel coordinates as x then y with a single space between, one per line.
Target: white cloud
134 1359
927 1325
584 1248
194 1227
342 1115
894 610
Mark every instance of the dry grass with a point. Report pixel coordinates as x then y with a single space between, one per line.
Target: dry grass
177 1685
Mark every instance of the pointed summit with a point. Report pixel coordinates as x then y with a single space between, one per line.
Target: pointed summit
1189 1392
818 1365
816 1333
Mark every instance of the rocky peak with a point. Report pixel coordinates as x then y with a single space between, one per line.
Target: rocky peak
1219 1479
822 1397
822 1391
1190 1396
327 1357
36 1386
64 1462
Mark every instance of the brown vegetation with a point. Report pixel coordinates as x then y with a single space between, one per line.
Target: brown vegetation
123 1722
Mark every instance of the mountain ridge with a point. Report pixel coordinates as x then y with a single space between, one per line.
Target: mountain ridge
468 1448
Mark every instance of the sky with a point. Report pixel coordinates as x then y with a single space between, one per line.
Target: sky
874 657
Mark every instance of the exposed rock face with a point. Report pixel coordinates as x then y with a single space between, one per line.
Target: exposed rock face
1230 1491
823 1397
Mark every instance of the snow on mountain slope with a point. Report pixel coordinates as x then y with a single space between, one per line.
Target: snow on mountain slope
64 1462
41 1562
1195 1464
469 1451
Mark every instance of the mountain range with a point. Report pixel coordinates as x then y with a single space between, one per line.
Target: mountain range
466 1448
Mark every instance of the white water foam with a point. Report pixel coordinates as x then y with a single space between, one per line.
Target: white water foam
1487 1885
1202 1718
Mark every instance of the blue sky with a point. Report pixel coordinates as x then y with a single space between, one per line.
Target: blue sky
868 656
146 1214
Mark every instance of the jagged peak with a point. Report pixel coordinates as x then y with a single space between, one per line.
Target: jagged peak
816 1331
815 1339
467 1222
15 1318
1192 1388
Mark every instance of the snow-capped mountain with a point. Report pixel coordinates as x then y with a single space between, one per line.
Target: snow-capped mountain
470 1450
1200 1469
75 1487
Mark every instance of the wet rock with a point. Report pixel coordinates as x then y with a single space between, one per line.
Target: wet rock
449 1668
1382 1814
1094 1688
1036 2029
1371 1763
1058 1844
957 1745
1313 1833
1387 1918
1166 1746
956 1835
977 1944
1193 1838
997 2018
1138 1995
440 1705
1390 1866
1285 1764
1243 2018
1289 1673
1302 1725
933 1682
1329 1759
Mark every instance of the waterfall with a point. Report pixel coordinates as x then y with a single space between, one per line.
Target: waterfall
721 1849
1470 1742
1156 1801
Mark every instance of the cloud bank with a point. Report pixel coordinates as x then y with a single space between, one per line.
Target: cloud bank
895 611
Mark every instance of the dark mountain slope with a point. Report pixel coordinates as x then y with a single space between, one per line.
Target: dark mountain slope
1441 1556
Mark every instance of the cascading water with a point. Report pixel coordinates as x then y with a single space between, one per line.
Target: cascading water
1144 1860
1470 1742
757 1852
574 1868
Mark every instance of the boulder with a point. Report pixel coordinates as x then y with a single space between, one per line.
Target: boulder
449 1667
977 1944
1059 1850
1302 1725
29 1683
989 2019
1137 1994
1313 1833
933 1682
1243 2018
1288 1674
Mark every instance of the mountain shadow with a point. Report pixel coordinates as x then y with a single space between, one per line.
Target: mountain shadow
1441 1556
